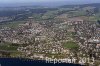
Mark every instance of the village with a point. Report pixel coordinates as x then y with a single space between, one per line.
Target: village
72 38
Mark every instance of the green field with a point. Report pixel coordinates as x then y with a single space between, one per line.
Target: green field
12 49
70 45
15 54
13 24
8 47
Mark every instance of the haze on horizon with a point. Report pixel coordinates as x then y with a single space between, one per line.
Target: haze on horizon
45 2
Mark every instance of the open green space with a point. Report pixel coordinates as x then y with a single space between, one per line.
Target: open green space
12 24
71 45
15 54
8 47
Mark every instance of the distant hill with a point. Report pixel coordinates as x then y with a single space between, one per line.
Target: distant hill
83 5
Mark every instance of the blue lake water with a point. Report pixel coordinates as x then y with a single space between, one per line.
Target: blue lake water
27 62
